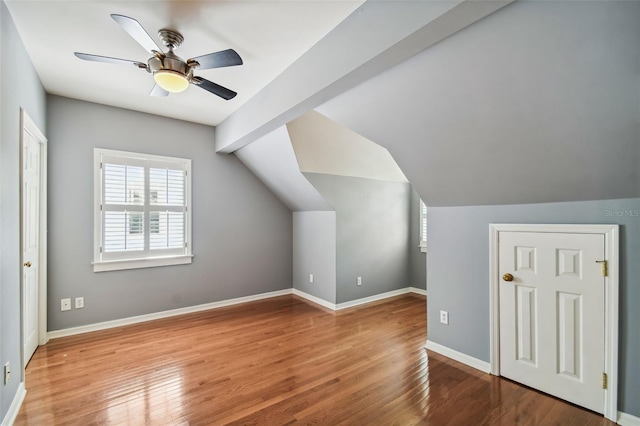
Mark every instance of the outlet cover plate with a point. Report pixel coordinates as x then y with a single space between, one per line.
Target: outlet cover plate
444 317
7 372
79 302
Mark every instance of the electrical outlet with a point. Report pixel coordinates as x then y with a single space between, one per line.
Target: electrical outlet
65 304
79 302
359 281
7 372
444 317
310 278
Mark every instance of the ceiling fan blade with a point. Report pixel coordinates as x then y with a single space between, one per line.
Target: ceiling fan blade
136 31
224 58
158 91
214 88
98 58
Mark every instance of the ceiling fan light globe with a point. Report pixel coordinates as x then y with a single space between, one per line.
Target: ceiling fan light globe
171 81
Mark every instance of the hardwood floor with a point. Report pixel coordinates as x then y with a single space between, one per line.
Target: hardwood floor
275 362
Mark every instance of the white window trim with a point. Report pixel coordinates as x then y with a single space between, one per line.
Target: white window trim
149 262
423 239
100 265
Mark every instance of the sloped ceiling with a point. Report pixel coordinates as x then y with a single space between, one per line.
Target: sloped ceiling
272 160
324 146
479 102
315 144
539 102
377 36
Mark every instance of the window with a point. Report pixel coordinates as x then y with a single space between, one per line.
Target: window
423 227
142 210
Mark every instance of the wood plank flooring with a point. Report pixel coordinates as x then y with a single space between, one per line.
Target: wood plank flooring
279 361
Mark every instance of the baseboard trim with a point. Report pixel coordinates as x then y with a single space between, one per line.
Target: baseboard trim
164 314
625 419
14 408
374 298
56 334
418 290
459 356
314 299
358 302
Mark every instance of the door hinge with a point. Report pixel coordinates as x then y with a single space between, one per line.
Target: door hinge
604 381
603 264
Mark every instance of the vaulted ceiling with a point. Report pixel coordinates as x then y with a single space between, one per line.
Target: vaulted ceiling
495 112
479 102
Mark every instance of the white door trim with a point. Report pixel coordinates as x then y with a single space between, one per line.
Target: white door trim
611 235
27 124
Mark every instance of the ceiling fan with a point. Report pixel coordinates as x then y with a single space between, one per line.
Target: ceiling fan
170 72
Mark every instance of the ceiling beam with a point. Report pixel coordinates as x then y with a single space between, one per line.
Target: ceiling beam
375 37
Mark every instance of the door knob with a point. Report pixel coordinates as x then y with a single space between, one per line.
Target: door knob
27 264
507 277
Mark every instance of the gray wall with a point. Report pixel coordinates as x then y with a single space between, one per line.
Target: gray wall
417 259
19 87
458 271
372 225
314 252
242 234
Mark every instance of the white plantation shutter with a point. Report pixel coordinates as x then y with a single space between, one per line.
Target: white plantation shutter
423 226
167 208
142 207
123 207
119 232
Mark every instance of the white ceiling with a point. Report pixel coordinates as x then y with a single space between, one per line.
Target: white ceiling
269 35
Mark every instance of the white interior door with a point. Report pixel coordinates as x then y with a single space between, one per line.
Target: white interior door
31 168
552 333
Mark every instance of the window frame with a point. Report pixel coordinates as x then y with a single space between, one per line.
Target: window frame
423 226
122 260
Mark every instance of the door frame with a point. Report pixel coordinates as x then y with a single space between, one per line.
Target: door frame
611 238
27 125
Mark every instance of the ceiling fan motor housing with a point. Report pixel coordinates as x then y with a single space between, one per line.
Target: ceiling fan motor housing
170 62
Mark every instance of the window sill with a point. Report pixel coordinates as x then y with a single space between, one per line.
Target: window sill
118 265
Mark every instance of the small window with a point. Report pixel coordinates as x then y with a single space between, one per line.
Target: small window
142 212
423 227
